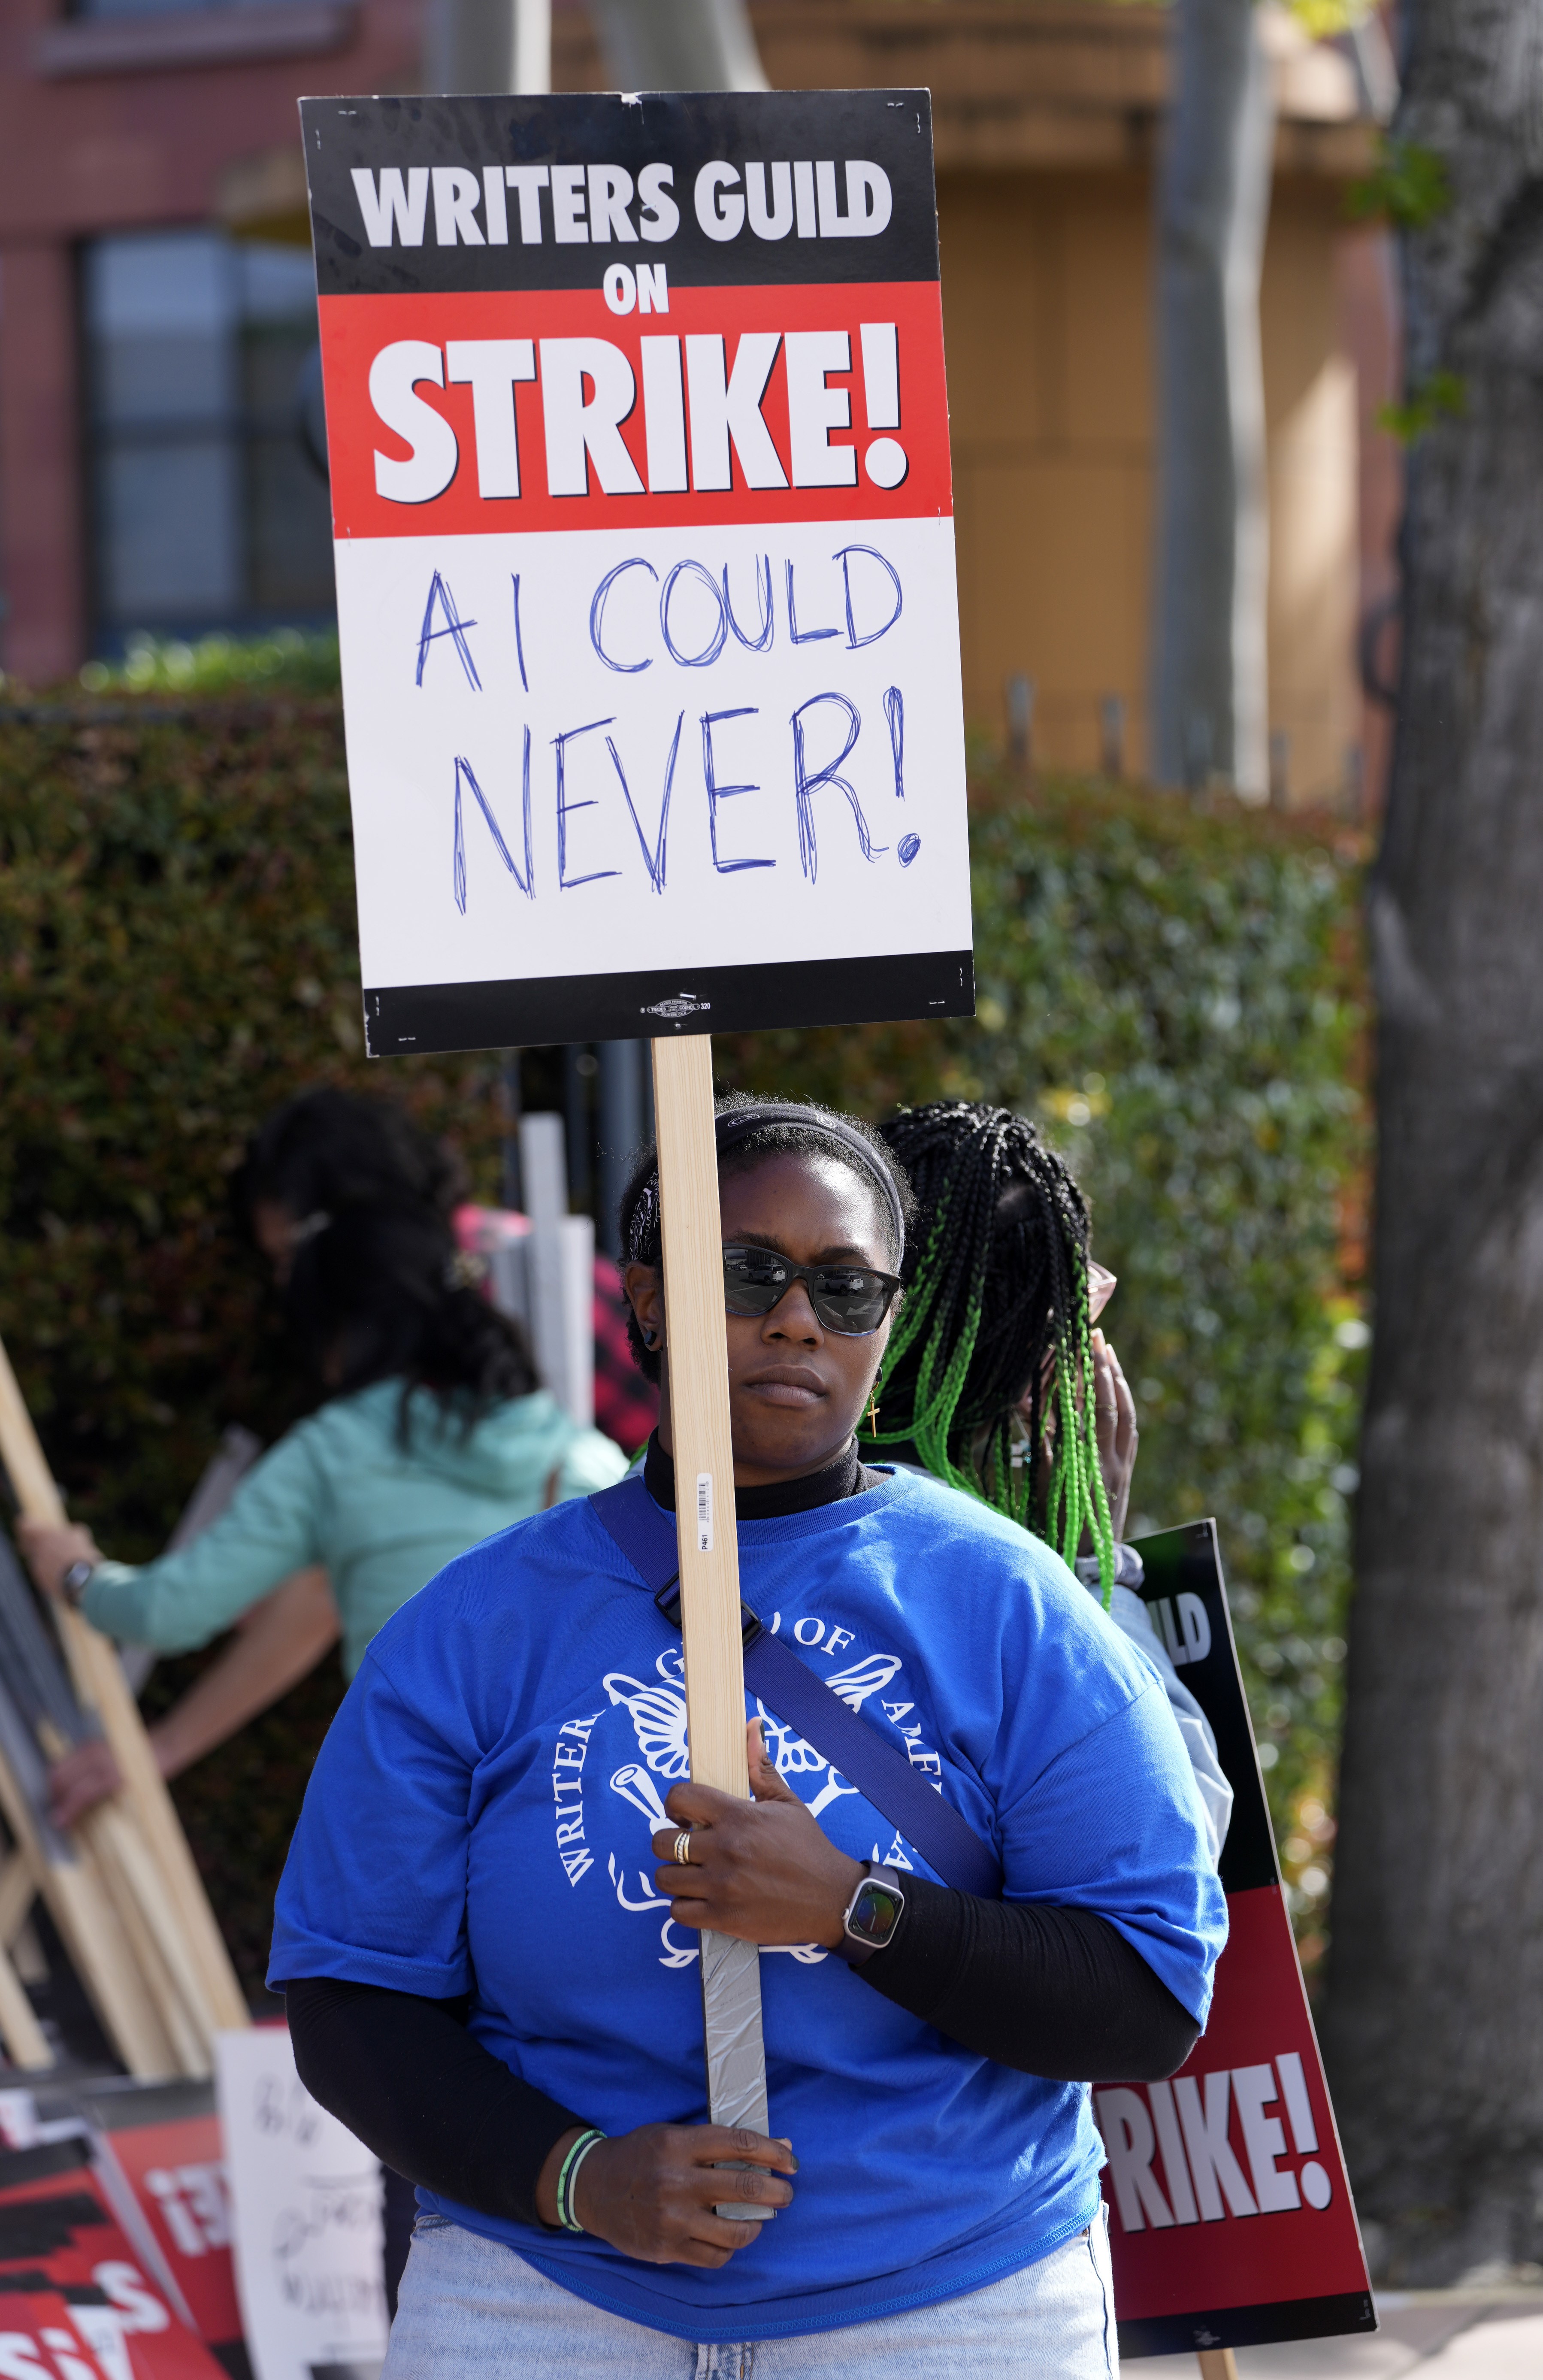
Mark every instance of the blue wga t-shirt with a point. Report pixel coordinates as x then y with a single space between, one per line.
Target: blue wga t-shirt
479 1821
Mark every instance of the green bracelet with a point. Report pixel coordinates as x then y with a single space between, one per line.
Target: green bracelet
568 2175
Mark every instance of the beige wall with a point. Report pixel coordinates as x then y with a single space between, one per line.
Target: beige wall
1048 315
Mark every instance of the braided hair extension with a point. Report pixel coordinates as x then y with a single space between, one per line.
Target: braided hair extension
638 1215
996 1308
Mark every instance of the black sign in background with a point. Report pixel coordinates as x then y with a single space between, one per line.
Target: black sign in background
1188 1561
683 130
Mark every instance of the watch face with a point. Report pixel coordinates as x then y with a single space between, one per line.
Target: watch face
875 1911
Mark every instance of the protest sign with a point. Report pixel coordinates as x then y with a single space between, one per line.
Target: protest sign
639 443
77 2295
305 2219
72 2334
160 2149
1231 2218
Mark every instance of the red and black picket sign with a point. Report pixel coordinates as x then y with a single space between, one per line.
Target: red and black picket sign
163 2145
1230 2217
78 2301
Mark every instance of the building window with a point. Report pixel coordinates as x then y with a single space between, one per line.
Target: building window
209 484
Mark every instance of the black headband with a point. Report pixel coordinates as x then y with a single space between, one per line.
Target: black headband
737 1123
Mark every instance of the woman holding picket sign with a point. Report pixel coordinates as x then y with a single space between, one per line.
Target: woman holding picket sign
467 1929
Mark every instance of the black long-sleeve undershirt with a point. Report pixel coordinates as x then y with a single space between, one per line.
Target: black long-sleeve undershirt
1056 1992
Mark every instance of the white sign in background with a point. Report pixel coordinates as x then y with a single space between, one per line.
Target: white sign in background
306 2201
814 809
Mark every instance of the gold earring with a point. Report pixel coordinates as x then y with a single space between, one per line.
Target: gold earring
873 1406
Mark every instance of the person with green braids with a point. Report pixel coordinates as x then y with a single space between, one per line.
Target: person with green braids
997 1381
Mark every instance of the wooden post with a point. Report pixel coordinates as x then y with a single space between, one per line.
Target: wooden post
706 1535
1218 2363
100 1684
18 1891
160 1945
125 1875
26 2044
94 1938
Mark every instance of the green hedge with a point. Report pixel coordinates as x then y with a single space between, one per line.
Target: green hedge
1177 995
177 954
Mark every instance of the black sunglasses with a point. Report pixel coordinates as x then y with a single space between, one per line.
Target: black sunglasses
852 1299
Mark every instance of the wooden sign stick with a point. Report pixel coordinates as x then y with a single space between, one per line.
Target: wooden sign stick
94 1937
26 2043
100 1684
18 1891
707 1538
161 1949
1218 2363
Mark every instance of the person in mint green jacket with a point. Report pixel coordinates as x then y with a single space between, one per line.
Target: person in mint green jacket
436 1434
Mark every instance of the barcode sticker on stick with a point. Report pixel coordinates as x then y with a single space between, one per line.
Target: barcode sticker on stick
704 1511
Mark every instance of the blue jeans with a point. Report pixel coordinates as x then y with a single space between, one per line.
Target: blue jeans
471 2309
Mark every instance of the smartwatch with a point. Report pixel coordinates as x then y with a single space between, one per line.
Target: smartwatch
76 1580
873 1913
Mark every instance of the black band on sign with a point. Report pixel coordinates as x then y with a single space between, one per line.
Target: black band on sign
849 174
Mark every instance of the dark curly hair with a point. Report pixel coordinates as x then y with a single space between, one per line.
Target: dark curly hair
637 1213
996 1309
377 1290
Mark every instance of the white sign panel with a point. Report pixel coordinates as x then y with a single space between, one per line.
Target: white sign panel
305 2198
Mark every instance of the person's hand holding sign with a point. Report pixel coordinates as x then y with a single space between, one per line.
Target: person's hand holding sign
652 2193
763 1871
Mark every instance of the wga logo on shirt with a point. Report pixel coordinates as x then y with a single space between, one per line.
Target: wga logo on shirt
657 1710
567 1792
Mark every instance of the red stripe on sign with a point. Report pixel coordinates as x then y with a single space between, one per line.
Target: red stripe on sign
1226 2185
524 410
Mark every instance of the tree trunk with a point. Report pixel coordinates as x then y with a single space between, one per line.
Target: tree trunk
1210 682
1437 1980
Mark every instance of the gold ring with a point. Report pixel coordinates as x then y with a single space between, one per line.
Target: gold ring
682 1850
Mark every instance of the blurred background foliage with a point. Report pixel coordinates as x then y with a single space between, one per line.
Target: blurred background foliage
299 661
1177 995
